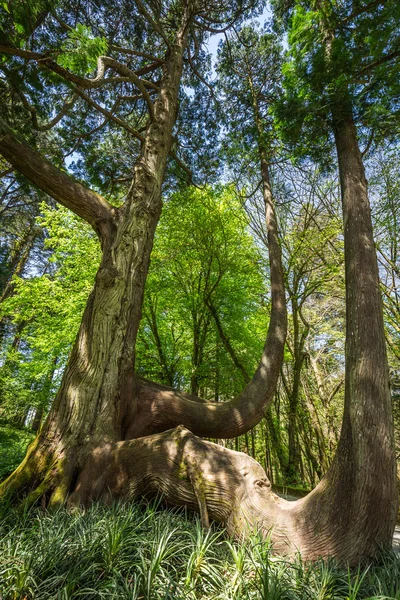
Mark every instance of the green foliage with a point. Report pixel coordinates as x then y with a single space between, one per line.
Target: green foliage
342 59
46 311
203 253
19 18
249 69
81 49
136 552
13 445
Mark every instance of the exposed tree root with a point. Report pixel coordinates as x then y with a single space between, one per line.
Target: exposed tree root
222 485
228 487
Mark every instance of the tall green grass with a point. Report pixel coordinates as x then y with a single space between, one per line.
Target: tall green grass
136 551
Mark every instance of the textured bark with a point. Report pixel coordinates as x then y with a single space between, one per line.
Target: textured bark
96 387
222 485
341 512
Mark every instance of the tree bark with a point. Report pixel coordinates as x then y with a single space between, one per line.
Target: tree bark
91 404
340 514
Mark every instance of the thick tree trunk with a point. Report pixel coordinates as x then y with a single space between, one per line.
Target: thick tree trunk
100 401
222 485
353 509
91 404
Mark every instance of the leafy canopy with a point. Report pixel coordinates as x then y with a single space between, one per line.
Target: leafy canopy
343 59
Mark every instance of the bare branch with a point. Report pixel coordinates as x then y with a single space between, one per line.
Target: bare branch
103 63
361 10
380 61
156 26
109 115
182 165
137 53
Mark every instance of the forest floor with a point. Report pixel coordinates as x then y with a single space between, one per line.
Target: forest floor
142 552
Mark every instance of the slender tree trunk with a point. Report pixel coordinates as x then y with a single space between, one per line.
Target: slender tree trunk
37 420
18 259
166 371
276 442
17 262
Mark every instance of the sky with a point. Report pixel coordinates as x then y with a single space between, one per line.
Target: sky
216 38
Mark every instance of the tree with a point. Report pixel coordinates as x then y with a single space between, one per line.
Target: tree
330 86
100 402
204 280
89 447
249 66
45 310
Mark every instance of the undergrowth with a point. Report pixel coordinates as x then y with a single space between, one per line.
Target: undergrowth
138 552
13 445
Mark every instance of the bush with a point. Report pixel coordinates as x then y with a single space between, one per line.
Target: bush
13 445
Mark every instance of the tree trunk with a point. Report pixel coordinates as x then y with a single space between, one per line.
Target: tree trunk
37 420
16 265
353 509
90 406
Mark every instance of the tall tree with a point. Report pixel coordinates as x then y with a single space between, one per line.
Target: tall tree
98 398
100 401
342 74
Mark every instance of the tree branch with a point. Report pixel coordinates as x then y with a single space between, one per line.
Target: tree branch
226 342
137 53
156 26
103 63
109 115
85 203
380 61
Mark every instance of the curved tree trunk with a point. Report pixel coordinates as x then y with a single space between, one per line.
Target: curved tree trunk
100 399
340 516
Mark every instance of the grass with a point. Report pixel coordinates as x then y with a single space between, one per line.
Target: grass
138 552
13 445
